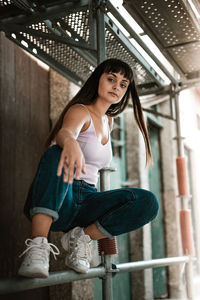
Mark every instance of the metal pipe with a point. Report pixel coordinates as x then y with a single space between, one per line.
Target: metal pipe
105 178
107 279
148 264
189 279
179 138
18 284
178 125
104 173
184 198
101 38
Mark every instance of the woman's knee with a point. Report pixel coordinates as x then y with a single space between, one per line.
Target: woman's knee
153 204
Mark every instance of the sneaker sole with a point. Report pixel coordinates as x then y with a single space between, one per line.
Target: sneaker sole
77 270
33 275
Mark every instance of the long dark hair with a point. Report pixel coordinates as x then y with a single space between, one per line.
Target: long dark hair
89 93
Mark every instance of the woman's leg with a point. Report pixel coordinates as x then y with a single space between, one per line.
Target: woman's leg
94 232
117 211
45 198
41 225
105 214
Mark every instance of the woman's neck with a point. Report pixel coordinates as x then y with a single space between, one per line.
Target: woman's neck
99 108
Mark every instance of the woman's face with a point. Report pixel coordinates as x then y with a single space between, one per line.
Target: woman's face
112 87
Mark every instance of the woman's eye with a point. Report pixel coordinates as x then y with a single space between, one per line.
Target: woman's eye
123 86
110 79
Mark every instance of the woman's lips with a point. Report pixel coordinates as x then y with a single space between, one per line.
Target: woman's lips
113 94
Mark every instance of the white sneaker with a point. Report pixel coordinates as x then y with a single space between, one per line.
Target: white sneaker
78 246
36 261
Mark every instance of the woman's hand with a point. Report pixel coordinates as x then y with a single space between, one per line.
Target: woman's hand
71 161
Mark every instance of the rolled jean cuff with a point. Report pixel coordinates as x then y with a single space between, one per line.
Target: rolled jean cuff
103 230
44 211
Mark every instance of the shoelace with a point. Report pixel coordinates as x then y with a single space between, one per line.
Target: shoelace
51 247
83 249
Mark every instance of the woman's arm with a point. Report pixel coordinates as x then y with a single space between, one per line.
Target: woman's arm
75 120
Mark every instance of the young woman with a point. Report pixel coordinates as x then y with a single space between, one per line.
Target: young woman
63 196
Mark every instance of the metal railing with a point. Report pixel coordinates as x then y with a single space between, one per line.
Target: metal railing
17 284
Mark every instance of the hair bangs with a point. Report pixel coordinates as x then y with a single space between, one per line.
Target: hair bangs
118 66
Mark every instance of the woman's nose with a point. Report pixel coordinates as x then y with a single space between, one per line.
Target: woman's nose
115 86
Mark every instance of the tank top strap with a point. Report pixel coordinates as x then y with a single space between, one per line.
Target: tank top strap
85 108
108 126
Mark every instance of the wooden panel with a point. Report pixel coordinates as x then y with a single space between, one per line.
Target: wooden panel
24 123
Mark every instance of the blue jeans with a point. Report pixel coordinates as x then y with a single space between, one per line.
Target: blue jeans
79 204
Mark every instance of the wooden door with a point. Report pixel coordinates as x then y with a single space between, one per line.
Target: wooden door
24 124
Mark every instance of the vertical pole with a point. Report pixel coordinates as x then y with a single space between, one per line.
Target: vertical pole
189 279
178 126
183 198
179 138
107 258
101 38
104 174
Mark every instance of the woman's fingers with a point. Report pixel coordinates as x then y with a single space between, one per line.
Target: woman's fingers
78 171
71 166
83 166
66 172
71 171
60 165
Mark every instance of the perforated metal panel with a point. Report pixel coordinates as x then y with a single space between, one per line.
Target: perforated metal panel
4 3
65 56
173 27
40 40
66 41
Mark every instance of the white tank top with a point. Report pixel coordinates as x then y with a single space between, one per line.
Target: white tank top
97 156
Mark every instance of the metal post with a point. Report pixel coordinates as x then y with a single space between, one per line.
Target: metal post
106 259
189 279
179 139
101 38
104 173
184 199
178 124
107 280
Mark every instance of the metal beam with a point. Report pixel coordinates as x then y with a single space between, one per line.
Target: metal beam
49 36
101 38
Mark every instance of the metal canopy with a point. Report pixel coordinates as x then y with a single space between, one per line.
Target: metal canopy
64 35
175 29
69 35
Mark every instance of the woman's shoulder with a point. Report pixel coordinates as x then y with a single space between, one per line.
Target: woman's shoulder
77 114
79 110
